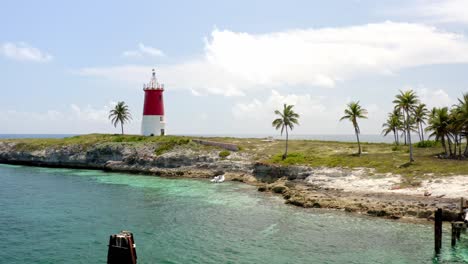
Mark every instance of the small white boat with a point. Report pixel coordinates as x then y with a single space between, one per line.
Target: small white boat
218 179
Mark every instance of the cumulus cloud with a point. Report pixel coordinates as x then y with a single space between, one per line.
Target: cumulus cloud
318 113
23 52
143 50
435 98
235 63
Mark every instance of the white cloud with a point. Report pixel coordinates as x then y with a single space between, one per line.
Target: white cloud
446 11
75 119
435 98
316 113
142 51
90 113
235 63
23 52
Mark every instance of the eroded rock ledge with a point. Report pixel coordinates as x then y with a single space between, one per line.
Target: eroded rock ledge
299 185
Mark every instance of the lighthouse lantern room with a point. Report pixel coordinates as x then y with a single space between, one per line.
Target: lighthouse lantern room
153 109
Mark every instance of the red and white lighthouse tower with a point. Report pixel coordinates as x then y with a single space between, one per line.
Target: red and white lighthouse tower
153 123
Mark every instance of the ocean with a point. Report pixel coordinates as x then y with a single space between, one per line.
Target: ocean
66 216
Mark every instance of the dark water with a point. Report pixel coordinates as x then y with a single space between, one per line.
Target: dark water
66 216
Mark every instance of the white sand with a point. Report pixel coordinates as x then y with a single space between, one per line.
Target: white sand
358 180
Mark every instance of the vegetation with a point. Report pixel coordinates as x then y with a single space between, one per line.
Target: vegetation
169 143
288 118
352 113
383 157
450 127
420 115
120 114
426 144
84 141
394 125
406 102
224 154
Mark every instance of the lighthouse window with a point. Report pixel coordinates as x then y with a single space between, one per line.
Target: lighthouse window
160 97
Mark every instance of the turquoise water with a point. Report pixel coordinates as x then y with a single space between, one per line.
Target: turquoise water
66 216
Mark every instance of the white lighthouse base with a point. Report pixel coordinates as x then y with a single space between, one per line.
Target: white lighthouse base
153 125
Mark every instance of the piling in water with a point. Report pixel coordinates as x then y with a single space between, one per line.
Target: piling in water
438 231
121 249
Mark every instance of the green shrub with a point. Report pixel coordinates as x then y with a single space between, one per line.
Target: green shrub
168 143
426 144
292 158
396 148
129 138
224 154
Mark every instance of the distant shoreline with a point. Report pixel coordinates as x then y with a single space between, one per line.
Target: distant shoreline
371 138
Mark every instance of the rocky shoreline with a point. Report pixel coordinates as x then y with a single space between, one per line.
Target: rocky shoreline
299 185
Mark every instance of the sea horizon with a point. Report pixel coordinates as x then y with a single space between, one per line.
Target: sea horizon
370 138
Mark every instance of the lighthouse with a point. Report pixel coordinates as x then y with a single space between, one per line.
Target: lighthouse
153 123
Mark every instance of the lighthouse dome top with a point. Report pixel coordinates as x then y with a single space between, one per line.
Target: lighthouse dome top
153 84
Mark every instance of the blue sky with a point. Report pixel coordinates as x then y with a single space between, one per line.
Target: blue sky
226 64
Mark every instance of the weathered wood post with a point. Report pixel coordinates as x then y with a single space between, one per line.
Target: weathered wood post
456 231
454 235
122 249
438 230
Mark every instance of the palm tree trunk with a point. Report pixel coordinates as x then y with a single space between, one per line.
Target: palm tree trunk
358 142
459 146
286 150
398 137
419 132
409 137
422 132
404 134
444 145
121 124
395 137
449 145
466 146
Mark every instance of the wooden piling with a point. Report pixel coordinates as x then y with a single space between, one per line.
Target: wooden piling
454 235
456 231
121 249
438 231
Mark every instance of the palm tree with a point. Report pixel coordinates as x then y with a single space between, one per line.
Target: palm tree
463 118
120 114
287 119
352 113
439 125
406 102
420 116
393 124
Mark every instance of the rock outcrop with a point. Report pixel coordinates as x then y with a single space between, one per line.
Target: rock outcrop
299 185
126 157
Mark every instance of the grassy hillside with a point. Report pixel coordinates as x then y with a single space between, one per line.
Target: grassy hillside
165 143
383 157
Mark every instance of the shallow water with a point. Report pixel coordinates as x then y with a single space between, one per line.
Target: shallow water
66 216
